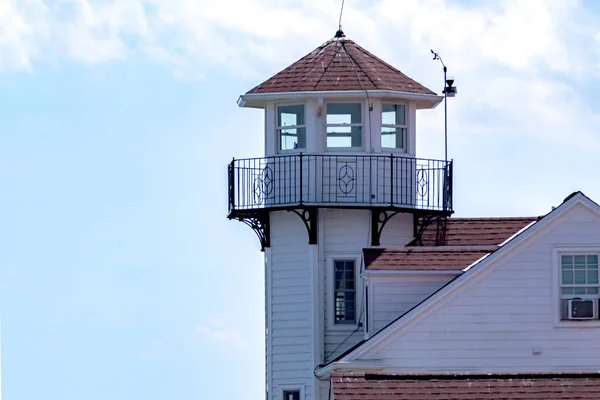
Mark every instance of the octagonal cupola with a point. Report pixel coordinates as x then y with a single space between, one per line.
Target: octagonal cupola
340 132
340 98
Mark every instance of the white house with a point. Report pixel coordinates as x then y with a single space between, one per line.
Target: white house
373 290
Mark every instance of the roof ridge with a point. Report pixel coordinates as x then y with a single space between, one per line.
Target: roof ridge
358 66
328 64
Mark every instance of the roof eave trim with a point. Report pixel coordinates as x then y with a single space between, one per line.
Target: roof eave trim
420 311
354 366
258 100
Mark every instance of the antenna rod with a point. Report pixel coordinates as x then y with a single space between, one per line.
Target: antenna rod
341 11
436 56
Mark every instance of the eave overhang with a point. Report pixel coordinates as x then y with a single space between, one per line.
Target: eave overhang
259 100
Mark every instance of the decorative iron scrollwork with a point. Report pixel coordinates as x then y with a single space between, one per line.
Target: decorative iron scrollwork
309 218
346 179
424 222
263 185
260 224
422 182
379 217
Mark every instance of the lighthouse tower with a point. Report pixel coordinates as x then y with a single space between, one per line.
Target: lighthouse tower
340 174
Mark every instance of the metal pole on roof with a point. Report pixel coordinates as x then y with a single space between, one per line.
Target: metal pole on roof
449 91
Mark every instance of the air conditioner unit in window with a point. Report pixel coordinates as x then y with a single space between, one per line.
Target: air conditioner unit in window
583 309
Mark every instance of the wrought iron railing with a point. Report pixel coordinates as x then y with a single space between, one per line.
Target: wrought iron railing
340 180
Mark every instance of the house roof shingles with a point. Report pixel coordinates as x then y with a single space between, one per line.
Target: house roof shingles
340 64
548 386
467 240
477 231
423 259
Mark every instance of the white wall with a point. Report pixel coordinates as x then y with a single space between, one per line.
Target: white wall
290 338
496 320
393 295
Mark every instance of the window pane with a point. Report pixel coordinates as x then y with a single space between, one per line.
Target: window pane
579 290
393 114
294 138
344 113
392 138
592 276
291 395
290 115
344 136
567 290
592 290
567 277
579 277
567 261
579 262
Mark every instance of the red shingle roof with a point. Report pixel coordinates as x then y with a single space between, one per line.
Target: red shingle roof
340 64
548 386
467 240
477 231
424 258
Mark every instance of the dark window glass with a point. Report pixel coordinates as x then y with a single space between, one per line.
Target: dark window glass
291 395
344 292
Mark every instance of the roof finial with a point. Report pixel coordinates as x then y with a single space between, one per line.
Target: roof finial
340 32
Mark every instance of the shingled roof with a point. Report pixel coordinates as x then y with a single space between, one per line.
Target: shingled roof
548 386
424 258
467 240
340 64
477 231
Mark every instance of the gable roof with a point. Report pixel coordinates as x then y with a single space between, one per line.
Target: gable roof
421 309
435 258
477 231
548 386
340 64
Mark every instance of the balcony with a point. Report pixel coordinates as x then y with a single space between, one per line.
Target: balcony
389 182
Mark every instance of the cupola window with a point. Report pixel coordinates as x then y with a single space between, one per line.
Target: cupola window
344 125
291 128
393 126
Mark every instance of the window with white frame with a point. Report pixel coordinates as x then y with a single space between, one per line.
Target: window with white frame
393 126
291 395
579 286
291 128
344 292
344 125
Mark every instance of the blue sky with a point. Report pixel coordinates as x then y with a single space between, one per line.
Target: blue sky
121 277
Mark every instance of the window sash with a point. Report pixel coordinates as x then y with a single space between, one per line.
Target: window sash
344 294
354 128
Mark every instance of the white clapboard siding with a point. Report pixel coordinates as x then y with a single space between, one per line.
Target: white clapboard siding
346 233
393 296
290 333
495 321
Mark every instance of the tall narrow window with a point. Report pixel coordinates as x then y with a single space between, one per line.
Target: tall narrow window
291 128
345 292
393 126
344 125
291 395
